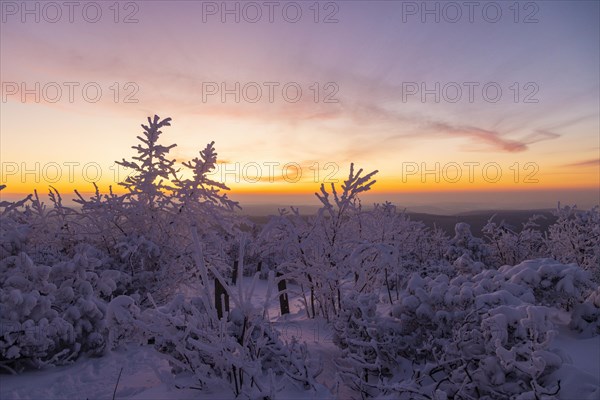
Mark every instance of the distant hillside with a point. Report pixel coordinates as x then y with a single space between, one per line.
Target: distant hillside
477 219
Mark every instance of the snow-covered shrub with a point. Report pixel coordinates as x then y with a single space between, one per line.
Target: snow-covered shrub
508 247
391 247
141 258
52 313
371 344
122 315
237 352
575 238
586 315
47 234
552 283
501 353
253 257
478 335
60 266
14 229
464 242
283 240
78 299
466 266
240 350
34 333
427 308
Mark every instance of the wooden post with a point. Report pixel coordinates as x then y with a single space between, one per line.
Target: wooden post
387 284
284 303
235 272
312 296
221 296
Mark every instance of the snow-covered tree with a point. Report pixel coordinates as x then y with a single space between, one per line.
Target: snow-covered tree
575 238
318 251
152 170
146 229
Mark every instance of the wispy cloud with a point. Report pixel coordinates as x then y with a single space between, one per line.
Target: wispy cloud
584 163
369 102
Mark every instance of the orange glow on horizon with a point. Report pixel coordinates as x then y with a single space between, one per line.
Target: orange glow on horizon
382 185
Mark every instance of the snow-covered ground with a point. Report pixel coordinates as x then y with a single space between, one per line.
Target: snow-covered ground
146 374
580 378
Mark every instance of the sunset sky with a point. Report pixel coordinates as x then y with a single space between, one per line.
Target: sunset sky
362 99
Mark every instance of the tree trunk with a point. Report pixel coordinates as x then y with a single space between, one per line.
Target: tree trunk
221 299
284 303
387 285
312 296
235 272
